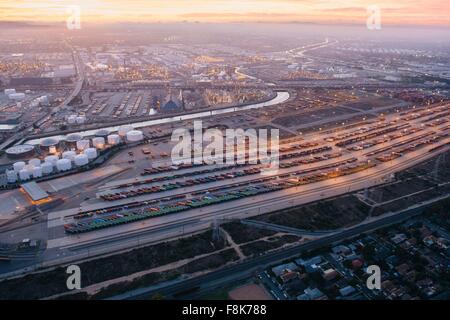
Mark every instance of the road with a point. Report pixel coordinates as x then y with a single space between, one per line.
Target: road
78 86
63 250
247 268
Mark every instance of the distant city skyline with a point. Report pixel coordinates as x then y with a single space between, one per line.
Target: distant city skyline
402 12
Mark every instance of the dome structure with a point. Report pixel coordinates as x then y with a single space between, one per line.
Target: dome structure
20 151
69 155
51 159
72 139
64 164
34 162
11 176
18 166
83 144
49 144
47 167
135 136
123 130
91 153
113 139
102 133
24 174
37 172
81 160
98 142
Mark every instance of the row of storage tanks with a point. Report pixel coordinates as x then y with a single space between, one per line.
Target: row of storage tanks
36 169
78 119
75 140
102 137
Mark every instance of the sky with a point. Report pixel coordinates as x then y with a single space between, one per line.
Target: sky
399 12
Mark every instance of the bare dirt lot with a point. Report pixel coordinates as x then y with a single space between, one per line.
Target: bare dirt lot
321 215
249 292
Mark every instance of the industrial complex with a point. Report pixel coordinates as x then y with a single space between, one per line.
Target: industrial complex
359 149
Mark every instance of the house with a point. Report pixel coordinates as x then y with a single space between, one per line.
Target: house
429 240
386 285
352 256
288 275
314 260
357 264
310 265
403 269
410 276
294 286
398 238
346 291
392 261
425 232
282 268
382 253
312 294
329 274
341 250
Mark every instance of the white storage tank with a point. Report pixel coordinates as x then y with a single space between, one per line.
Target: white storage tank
34 162
37 172
80 119
113 139
49 144
91 153
83 144
11 176
20 151
81 160
98 142
102 133
64 164
24 174
123 130
16 96
51 159
72 139
69 155
47 167
43 100
135 135
34 104
18 166
71 119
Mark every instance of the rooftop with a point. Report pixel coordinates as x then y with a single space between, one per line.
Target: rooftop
35 192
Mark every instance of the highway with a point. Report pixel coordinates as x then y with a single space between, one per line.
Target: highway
247 207
63 248
78 86
247 268
152 231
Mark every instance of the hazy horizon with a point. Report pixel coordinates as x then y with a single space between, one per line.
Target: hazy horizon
403 12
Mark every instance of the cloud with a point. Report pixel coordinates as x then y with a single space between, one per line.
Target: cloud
398 12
